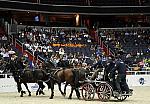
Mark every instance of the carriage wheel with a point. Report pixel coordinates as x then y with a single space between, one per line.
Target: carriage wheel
88 92
104 91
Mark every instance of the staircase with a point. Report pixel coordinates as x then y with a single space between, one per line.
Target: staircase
98 40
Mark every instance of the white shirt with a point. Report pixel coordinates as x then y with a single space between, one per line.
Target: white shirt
5 54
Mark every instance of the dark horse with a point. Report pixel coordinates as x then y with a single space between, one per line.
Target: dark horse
27 76
70 76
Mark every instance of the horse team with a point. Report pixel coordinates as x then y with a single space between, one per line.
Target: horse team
50 75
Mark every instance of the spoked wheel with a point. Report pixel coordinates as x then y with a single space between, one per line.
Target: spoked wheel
88 92
104 92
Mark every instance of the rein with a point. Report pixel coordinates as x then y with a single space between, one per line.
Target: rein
54 75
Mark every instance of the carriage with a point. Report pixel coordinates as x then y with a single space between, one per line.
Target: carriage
104 89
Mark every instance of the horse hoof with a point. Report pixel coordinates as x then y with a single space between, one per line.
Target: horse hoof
24 92
51 98
69 98
79 98
36 94
41 92
29 95
64 95
21 95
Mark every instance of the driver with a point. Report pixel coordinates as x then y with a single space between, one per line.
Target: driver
120 80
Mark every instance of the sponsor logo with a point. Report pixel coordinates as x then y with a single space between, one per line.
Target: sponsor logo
7 86
142 81
34 87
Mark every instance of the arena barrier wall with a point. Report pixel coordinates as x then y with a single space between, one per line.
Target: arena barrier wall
7 83
138 80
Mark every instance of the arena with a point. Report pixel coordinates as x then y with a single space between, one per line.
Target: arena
140 96
94 47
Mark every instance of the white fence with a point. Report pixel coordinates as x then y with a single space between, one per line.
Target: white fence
137 78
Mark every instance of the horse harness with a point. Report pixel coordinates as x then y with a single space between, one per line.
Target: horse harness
54 72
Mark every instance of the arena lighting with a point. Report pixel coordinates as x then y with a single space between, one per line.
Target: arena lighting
77 19
37 18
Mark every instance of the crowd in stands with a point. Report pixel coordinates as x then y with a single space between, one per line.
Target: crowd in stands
5 46
73 45
134 45
79 48
6 50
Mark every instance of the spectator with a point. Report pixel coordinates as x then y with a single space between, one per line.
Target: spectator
61 51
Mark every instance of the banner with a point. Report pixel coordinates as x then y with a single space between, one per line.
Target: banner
138 80
9 85
69 45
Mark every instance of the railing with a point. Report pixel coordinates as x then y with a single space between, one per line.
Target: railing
23 50
125 28
50 29
9 75
85 2
104 46
11 38
138 72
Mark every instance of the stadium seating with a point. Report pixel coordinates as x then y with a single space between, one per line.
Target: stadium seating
75 42
133 42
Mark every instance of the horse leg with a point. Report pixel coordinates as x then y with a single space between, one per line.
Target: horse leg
52 89
27 89
70 96
37 91
59 87
77 93
41 87
20 89
65 89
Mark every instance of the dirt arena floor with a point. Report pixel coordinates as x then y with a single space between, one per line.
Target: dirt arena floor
141 95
